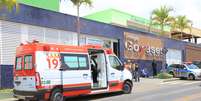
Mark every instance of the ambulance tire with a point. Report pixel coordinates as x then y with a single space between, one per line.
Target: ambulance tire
56 95
127 87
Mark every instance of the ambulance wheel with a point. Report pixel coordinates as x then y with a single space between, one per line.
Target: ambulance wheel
56 95
127 87
191 77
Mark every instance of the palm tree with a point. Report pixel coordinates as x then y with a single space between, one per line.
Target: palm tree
78 3
161 17
8 4
181 23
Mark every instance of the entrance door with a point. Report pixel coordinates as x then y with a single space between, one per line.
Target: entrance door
76 79
116 48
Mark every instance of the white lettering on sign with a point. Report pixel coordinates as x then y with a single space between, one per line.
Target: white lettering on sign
148 50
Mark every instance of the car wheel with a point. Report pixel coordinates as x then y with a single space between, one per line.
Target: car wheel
56 95
191 77
127 88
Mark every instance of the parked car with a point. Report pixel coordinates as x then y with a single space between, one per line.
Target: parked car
189 71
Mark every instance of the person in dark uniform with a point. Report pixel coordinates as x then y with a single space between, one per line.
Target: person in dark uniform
154 65
137 74
133 70
94 69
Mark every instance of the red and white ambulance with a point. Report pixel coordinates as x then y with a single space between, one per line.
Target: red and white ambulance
52 72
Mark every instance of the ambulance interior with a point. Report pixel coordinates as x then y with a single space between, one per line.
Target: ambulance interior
98 68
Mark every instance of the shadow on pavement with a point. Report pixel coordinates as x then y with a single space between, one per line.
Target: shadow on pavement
184 79
93 97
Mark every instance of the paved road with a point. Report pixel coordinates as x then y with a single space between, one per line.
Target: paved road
151 90
170 91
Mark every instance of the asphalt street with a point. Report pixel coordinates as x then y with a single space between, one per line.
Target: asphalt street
181 90
150 90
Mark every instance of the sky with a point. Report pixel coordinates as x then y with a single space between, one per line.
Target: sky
142 8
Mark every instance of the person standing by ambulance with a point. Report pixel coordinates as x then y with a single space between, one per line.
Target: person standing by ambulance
137 74
154 66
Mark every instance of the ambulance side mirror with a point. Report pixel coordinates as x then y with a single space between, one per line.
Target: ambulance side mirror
63 67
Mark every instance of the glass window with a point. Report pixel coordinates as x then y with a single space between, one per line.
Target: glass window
75 62
82 62
18 64
28 62
114 62
192 66
71 61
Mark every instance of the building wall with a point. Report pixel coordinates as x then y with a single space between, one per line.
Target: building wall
193 53
46 26
12 34
6 77
10 39
174 56
0 43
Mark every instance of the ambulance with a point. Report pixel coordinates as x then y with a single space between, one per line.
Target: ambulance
53 72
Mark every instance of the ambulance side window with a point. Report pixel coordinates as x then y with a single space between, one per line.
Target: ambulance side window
71 62
18 63
82 62
114 62
75 62
28 62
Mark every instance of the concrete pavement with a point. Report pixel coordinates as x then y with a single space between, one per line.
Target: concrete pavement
153 90
180 90
150 90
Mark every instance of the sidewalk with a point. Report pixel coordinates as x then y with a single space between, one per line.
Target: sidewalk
6 95
147 84
8 99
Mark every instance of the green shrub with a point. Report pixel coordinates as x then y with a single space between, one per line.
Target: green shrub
164 76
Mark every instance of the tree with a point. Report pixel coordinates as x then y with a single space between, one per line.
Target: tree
181 23
78 3
8 4
161 17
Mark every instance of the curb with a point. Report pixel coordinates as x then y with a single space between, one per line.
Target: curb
8 99
169 80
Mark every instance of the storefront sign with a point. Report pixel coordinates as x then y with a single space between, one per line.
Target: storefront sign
143 47
94 41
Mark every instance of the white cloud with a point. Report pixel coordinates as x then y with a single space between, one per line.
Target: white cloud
143 8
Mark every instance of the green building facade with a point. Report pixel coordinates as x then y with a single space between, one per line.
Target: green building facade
113 16
45 4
